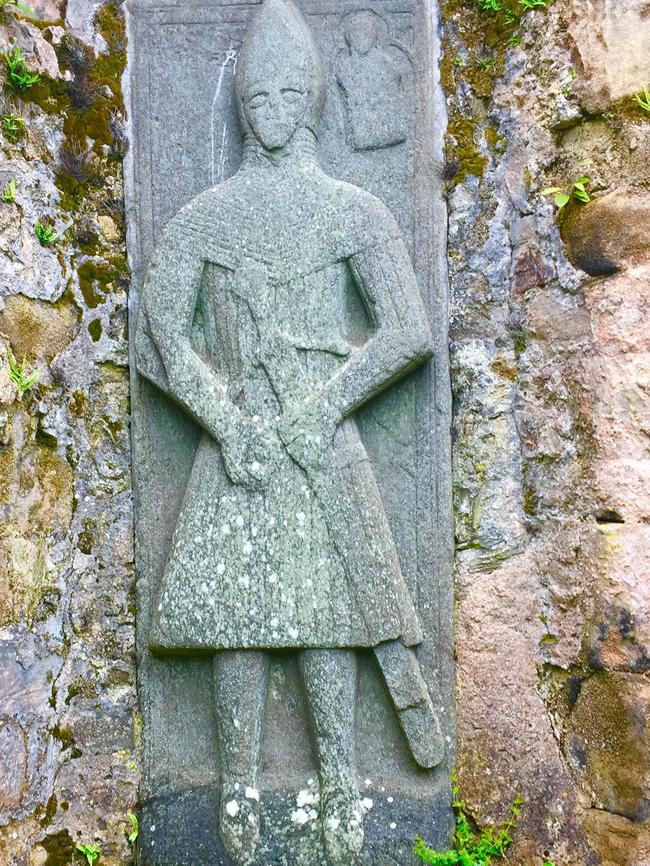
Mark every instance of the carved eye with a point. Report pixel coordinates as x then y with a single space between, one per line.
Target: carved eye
258 100
291 96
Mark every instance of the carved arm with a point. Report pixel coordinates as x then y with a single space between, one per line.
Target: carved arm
170 295
401 340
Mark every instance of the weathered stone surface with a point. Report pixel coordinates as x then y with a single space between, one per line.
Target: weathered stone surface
297 261
622 842
607 743
620 633
68 764
560 358
608 233
37 329
549 379
610 44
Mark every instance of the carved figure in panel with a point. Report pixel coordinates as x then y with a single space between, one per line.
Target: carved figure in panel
373 74
277 303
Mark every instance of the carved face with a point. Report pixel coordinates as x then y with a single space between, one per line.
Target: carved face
274 111
279 81
362 32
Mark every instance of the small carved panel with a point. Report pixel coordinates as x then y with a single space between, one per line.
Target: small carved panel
375 75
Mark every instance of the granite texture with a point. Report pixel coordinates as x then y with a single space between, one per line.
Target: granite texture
280 306
277 303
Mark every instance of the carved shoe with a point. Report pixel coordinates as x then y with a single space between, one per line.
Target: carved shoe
342 818
239 822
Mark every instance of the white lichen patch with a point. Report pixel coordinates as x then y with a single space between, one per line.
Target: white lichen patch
305 798
300 816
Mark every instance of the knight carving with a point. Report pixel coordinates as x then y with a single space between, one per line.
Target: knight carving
277 303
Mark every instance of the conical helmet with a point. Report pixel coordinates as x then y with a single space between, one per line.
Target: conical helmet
279 47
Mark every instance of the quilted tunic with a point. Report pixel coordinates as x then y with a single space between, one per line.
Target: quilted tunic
307 559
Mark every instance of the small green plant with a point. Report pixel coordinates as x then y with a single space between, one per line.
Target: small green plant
9 192
45 234
25 10
511 11
643 99
500 7
578 191
482 64
19 75
135 824
90 852
471 847
19 375
12 126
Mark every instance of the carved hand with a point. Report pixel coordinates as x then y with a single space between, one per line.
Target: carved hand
251 456
307 430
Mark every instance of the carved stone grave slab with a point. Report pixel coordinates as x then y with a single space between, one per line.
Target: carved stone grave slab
290 432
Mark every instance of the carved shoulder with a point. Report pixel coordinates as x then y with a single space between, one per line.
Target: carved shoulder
365 221
201 229
199 212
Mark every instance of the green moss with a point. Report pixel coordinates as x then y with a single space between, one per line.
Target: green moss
77 403
95 330
115 428
496 141
98 278
81 686
519 340
87 241
63 735
50 811
86 538
461 146
59 848
103 80
485 38
50 94
529 498
138 727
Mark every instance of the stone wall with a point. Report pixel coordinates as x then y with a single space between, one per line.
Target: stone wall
68 766
551 383
549 343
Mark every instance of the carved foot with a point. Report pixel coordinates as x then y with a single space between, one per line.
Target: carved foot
239 822
342 817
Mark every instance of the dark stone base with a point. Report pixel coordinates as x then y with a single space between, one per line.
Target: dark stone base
181 830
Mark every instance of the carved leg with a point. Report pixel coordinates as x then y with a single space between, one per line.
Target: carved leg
240 687
330 678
